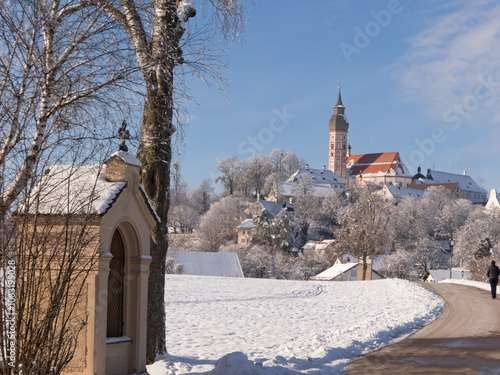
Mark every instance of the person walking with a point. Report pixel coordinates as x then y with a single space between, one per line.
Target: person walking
493 273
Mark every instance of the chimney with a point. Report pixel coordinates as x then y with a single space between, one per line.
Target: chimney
465 173
324 167
307 166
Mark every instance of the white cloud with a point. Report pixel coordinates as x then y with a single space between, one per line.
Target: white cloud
448 62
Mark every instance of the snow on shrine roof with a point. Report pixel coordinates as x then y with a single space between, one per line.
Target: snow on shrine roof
208 263
465 182
246 224
127 158
379 164
334 271
73 189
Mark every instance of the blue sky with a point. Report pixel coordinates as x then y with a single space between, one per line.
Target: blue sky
418 77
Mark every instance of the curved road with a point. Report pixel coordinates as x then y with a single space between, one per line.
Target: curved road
465 339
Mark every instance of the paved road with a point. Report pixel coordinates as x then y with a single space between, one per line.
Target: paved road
465 339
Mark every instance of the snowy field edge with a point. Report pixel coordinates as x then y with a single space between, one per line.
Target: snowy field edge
228 326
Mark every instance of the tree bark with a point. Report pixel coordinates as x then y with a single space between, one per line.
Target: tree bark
155 154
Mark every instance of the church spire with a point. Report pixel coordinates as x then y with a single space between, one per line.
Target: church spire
339 100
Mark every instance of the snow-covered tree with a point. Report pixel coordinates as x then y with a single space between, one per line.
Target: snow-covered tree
218 225
183 218
307 207
202 197
310 262
479 234
291 163
364 227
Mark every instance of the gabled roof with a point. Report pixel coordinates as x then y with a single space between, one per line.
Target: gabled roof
273 208
317 176
424 184
378 164
69 189
246 224
334 271
72 189
207 263
400 192
465 182
456 273
289 189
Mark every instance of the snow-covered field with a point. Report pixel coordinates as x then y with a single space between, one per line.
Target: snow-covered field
285 327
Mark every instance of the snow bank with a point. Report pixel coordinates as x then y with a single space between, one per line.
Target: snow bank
476 284
229 326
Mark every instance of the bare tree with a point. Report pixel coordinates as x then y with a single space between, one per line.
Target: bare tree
363 231
229 168
156 30
257 170
183 218
53 69
55 251
202 197
178 193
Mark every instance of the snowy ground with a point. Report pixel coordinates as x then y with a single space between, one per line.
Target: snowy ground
285 327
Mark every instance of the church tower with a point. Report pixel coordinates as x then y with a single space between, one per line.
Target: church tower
338 126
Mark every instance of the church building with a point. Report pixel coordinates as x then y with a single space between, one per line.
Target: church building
385 168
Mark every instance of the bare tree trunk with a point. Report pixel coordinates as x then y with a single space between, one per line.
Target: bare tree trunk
155 154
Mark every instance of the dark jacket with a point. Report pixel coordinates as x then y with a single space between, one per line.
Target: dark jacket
493 272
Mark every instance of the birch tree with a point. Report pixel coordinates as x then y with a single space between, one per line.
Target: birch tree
53 68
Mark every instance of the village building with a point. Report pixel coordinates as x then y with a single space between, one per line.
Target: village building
114 299
246 231
435 276
206 263
314 182
392 193
468 188
348 268
380 168
385 168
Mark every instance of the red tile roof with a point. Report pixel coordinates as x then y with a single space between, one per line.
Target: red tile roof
379 163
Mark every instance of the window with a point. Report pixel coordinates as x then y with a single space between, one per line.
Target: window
115 287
